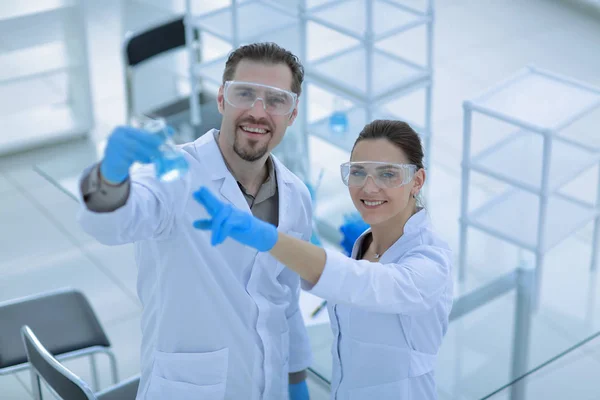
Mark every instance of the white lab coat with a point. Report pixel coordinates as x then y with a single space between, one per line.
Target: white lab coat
388 319
218 322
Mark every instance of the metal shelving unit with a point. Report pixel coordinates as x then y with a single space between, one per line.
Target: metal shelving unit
236 25
536 162
366 75
45 57
363 75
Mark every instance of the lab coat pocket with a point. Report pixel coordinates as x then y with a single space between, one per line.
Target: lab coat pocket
389 391
161 388
189 375
378 328
372 365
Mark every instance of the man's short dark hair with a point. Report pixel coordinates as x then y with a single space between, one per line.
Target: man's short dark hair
270 53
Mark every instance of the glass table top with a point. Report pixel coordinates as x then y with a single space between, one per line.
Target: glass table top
570 374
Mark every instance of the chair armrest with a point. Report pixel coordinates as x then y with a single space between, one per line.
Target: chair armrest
125 390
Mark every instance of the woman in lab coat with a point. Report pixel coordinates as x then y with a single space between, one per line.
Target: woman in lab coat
389 302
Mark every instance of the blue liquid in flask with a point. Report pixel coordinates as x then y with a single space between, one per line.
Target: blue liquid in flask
171 165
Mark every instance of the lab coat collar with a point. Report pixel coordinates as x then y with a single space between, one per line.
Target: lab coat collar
210 155
418 221
284 188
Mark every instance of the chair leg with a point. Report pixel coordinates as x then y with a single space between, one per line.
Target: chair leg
94 368
36 387
113 366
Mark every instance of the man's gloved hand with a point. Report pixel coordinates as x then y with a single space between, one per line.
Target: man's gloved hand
237 224
298 391
125 146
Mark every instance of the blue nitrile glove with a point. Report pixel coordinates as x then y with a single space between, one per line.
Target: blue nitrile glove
298 391
353 227
125 146
237 224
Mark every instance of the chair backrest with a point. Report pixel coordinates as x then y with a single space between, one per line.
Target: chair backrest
141 46
63 320
64 383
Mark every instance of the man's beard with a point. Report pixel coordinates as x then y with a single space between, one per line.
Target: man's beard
249 152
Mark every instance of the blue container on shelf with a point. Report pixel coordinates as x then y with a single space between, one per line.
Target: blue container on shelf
338 121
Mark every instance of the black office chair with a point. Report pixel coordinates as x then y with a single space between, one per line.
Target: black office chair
64 383
142 46
65 322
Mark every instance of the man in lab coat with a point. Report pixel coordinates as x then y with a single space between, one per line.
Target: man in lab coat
218 322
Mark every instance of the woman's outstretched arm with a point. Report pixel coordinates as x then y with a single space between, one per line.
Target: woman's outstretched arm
304 258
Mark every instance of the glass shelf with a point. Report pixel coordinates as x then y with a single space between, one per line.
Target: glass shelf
540 99
49 89
255 19
347 72
584 131
24 63
44 84
357 119
211 71
518 160
349 17
292 5
21 9
344 141
37 29
286 37
513 216
40 124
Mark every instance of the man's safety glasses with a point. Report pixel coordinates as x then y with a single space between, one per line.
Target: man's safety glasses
245 94
385 175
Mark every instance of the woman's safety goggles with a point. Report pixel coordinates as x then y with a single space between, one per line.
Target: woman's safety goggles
245 94
385 175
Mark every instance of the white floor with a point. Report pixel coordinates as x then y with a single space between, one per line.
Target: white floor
477 43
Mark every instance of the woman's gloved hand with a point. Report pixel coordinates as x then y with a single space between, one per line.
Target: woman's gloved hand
298 391
228 221
127 145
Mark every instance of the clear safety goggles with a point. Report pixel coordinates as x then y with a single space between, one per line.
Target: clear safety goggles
245 94
385 175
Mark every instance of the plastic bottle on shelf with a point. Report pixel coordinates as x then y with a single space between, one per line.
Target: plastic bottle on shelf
338 121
